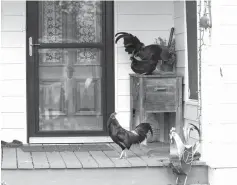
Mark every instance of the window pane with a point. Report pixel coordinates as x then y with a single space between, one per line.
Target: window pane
191 10
70 89
70 21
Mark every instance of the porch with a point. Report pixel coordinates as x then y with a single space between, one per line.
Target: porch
96 156
96 165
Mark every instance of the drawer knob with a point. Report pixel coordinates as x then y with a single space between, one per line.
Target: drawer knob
160 89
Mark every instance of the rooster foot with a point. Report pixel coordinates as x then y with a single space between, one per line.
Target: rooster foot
123 154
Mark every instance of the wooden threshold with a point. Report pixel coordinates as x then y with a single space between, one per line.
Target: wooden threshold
66 140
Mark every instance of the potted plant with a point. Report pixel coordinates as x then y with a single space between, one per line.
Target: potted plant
169 65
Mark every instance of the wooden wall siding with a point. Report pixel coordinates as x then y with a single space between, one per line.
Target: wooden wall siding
227 85
13 72
147 24
180 36
219 92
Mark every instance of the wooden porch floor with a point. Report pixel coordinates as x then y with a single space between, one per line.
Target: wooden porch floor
155 154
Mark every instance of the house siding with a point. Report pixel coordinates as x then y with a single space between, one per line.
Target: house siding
219 89
13 70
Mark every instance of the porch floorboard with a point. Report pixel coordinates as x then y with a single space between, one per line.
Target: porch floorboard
153 155
86 160
24 159
70 159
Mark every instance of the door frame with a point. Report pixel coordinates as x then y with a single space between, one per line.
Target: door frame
107 82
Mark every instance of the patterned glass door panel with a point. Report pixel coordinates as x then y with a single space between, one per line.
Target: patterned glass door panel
70 78
70 21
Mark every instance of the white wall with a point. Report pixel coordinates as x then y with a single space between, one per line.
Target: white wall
221 101
147 24
219 123
13 71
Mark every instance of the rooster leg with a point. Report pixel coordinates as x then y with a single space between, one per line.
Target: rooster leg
185 180
176 182
125 154
121 155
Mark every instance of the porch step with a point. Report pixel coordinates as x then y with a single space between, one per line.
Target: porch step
103 176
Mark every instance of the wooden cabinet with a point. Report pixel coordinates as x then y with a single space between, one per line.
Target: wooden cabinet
152 94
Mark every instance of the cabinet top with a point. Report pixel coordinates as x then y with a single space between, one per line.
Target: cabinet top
156 75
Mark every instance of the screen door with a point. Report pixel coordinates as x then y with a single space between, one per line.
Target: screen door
69 47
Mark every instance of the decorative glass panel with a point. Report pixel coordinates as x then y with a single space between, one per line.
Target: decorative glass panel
70 89
83 56
70 21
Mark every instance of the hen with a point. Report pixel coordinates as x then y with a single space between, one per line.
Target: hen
124 138
144 58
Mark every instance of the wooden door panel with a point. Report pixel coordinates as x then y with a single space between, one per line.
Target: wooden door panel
51 97
88 99
76 123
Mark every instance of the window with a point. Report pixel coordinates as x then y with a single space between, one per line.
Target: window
191 18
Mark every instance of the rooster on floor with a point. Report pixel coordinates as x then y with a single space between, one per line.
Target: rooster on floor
144 58
124 138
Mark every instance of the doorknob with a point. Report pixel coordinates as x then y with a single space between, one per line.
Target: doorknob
31 46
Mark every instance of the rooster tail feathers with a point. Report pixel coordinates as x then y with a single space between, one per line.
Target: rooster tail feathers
131 37
196 128
144 128
124 33
119 37
187 131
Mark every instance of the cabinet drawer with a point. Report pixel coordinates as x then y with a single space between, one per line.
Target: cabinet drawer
160 107
160 82
157 91
159 97
160 94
